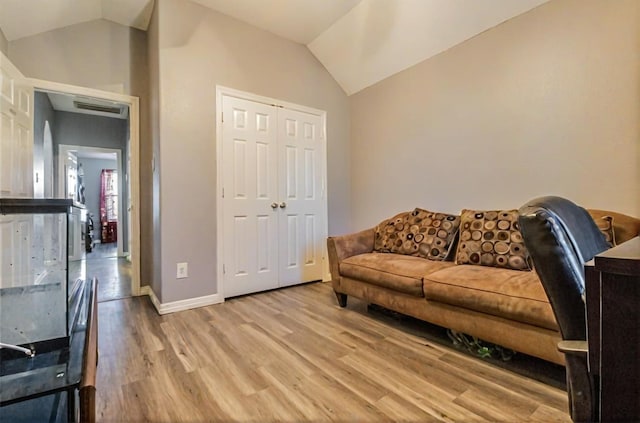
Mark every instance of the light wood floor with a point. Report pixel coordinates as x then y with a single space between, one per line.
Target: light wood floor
113 272
293 355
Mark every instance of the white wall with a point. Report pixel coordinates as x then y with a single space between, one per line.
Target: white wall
198 49
546 103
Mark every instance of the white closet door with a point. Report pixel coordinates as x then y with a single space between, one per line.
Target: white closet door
249 190
16 139
302 221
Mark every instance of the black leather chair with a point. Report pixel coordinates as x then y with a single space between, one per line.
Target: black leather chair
561 237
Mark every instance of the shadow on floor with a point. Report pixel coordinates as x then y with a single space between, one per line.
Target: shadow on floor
526 365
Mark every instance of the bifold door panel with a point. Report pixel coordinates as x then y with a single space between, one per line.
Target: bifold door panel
273 168
301 169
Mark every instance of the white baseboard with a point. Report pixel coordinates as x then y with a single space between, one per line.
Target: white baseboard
181 305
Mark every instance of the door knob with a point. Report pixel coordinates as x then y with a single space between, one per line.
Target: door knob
283 205
274 205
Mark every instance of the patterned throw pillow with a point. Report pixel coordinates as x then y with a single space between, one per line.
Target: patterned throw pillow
605 224
492 238
420 233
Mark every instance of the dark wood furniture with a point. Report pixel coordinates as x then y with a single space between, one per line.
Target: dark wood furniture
57 385
612 281
87 388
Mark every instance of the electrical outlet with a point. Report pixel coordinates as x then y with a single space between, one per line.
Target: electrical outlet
183 271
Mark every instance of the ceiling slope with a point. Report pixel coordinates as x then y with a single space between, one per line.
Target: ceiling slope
297 20
360 42
24 18
379 38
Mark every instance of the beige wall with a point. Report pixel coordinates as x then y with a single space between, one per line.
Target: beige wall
104 55
546 103
4 44
200 49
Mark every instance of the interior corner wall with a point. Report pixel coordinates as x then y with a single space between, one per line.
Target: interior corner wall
4 44
199 49
96 54
150 237
543 104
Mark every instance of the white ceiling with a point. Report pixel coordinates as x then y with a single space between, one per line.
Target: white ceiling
297 20
360 42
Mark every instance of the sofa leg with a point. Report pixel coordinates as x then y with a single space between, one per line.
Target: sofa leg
342 299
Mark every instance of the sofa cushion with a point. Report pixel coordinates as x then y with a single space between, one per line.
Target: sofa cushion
420 233
492 238
506 293
393 271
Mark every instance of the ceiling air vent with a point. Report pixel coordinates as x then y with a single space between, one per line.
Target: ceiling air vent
116 110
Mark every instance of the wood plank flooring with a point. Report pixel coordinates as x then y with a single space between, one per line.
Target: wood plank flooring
293 355
113 272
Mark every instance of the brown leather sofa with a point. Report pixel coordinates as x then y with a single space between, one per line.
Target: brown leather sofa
502 306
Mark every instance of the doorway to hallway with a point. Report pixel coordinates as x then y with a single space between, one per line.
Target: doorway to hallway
103 104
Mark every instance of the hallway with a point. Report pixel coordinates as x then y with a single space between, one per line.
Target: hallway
113 272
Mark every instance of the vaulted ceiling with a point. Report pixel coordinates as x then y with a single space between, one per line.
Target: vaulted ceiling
360 42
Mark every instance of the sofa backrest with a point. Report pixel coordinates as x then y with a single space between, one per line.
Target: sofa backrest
624 227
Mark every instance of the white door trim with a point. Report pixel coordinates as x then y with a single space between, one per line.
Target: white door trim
231 92
134 155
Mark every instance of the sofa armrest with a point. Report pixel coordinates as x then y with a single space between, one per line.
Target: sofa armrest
625 227
579 348
345 246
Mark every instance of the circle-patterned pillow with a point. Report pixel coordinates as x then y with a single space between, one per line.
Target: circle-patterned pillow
492 238
420 233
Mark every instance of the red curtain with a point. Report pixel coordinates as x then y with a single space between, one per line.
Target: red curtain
108 205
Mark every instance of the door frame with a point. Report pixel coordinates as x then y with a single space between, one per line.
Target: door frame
222 91
133 152
64 148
